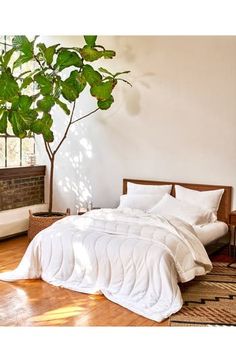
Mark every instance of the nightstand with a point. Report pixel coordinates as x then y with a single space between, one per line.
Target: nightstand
232 223
82 211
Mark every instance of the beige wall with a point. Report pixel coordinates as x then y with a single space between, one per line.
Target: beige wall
177 122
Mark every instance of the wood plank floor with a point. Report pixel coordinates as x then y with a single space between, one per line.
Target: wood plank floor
36 303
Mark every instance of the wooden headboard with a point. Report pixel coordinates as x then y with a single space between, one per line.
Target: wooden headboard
225 204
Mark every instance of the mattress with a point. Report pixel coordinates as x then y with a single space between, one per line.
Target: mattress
209 232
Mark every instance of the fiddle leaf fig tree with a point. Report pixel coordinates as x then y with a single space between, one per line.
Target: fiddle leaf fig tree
57 78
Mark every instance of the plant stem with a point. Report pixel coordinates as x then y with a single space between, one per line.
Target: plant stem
66 131
86 115
51 155
48 149
37 60
51 184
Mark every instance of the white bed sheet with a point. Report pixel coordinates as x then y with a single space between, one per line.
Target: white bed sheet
212 231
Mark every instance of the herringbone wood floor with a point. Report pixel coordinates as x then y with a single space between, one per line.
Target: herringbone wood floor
36 303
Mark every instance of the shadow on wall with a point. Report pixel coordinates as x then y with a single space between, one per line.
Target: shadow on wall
140 82
132 99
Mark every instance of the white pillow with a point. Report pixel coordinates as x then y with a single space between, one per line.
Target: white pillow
133 188
209 200
142 202
189 213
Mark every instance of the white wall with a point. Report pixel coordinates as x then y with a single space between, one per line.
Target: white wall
177 122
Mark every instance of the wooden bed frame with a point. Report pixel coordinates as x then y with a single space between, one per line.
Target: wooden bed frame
223 211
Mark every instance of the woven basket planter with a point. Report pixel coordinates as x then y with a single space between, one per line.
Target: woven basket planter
39 221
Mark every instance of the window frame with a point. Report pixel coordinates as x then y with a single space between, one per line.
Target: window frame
8 136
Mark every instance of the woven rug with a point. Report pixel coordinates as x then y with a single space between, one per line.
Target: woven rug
209 300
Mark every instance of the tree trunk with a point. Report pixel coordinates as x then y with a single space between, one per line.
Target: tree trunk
51 184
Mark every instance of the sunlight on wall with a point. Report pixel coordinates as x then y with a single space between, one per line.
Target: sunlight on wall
87 147
73 159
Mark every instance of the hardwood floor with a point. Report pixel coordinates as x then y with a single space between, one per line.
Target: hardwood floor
36 303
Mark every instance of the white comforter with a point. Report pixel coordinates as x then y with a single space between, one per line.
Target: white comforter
134 259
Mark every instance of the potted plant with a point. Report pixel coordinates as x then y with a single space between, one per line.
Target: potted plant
58 77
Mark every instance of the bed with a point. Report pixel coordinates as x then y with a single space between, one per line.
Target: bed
135 259
214 237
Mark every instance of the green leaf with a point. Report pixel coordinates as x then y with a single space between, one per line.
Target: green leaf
67 58
92 76
45 104
23 58
48 135
63 106
90 40
57 88
124 80
42 47
102 91
22 43
119 73
18 125
41 126
7 57
20 109
25 103
48 53
103 70
44 84
3 122
109 54
15 103
26 82
105 104
37 127
8 85
29 116
90 54
78 80
73 86
47 119
69 92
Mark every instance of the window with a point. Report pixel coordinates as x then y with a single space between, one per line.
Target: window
14 151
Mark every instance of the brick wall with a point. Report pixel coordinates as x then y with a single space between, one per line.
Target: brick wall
21 186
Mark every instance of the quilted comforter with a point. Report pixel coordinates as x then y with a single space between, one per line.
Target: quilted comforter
134 259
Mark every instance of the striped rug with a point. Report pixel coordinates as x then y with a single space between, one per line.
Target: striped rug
209 300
